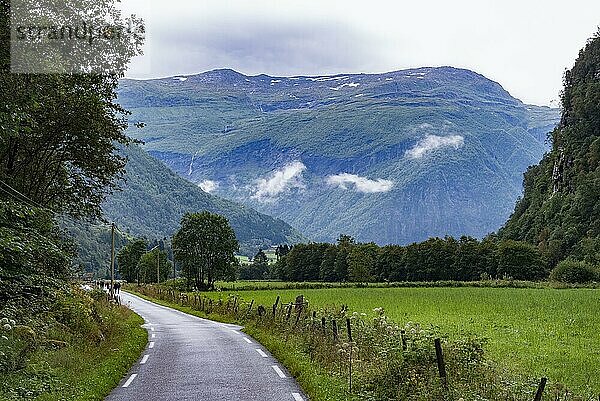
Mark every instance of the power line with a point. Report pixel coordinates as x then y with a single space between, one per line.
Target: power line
12 195
25 198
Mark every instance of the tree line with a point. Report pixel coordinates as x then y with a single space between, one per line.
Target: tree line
464 259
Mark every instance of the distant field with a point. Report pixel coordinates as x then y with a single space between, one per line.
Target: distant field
537 332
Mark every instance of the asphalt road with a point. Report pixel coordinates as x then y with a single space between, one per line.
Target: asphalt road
189 358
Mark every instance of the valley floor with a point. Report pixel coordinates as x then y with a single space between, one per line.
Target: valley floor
532 331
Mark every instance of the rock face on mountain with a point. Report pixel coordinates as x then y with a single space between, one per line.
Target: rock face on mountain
391 158
560 208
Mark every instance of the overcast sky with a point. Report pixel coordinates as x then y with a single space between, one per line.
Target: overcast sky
522 44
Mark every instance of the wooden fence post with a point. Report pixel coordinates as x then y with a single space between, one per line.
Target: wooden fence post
440 363
403 337
349 328
540 390
334 328
275 306
250 308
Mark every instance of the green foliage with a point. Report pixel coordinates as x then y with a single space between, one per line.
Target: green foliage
34 262
153 266
437 259
361 263
254 272
575 272
260 258
303 262
93 243
79 350
257 270
559 211
16 345
64 163
128 259
327 270
58 139
204 246
519 260
524 326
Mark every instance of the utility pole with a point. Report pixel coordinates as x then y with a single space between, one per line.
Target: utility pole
112 261
157 262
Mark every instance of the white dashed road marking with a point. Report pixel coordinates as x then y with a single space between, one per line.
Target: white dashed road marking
151 345
144 359
247 340
261 353
278 371
128 382
297 397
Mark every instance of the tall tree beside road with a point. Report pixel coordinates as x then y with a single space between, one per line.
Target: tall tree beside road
58 135
129 257
59 132
205 247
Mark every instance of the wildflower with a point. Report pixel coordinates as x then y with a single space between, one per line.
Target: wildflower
7 327
5 338
12 322
4 320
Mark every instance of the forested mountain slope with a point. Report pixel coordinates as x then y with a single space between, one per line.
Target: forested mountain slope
560 209
152 201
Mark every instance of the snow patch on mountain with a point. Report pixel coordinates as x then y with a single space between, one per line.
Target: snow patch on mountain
349 85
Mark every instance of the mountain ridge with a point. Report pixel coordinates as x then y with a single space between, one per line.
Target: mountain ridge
238 134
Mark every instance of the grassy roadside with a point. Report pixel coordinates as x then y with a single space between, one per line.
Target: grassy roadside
317 383
85 369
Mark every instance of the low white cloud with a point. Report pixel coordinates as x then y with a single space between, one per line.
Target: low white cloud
433 142
280 181
209 186
361 184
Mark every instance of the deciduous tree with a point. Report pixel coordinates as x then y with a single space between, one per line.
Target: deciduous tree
205 246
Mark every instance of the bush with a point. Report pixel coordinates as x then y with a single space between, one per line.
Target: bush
575 272
520 261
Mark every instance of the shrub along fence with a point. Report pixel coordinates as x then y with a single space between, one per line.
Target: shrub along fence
379 359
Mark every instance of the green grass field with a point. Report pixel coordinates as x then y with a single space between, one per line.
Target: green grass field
535 332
